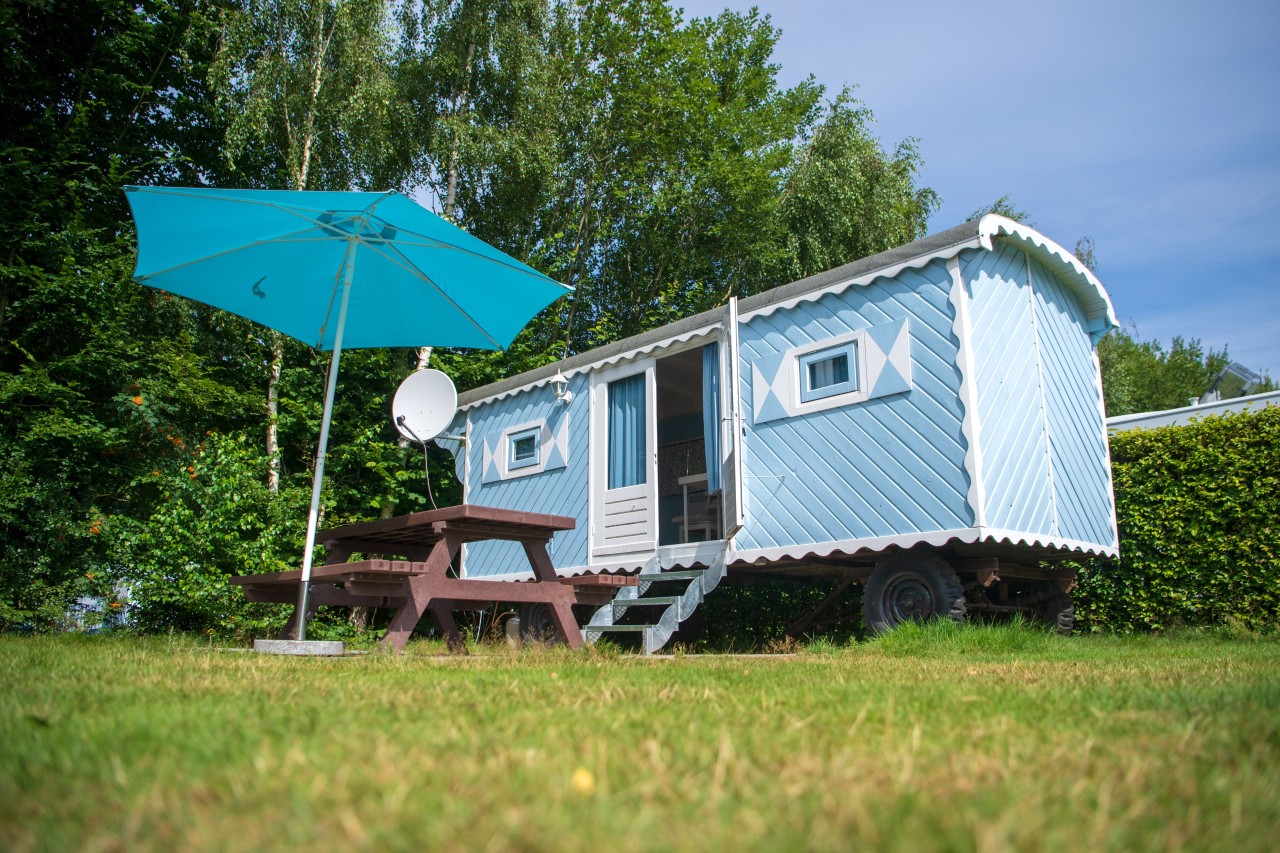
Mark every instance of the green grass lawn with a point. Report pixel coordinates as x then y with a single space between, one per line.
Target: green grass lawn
930 739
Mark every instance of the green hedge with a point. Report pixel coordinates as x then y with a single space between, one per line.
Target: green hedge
1198 508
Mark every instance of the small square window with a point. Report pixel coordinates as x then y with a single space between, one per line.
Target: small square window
524 449
829 372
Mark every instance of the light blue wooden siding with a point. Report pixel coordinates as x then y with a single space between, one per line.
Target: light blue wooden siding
1015 454
562 491
1082 487
1044 464
884 467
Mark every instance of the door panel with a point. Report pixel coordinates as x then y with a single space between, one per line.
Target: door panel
624 520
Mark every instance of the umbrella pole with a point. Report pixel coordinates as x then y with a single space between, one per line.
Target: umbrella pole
313 519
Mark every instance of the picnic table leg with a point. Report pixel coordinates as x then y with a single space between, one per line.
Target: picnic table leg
562 605
417 597
449 628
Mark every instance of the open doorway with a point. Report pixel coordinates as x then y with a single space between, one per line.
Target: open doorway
688 500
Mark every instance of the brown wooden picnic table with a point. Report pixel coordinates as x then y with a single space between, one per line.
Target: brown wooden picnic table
429 542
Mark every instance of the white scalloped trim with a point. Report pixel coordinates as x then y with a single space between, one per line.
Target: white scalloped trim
849 548
704 331
993 225
938 538
968 393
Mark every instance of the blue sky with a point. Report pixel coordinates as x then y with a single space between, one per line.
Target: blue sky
1152 127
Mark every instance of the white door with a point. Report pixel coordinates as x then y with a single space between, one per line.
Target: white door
624 448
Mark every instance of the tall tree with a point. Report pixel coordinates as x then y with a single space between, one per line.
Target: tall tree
309 86
845 198
464 66
98 376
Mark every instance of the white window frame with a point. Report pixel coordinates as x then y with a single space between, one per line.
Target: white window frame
514 462
850 385
852 342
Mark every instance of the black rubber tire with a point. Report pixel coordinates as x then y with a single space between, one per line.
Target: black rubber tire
1056 610
537 626
912 586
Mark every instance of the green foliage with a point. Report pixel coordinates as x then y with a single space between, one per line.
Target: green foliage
213 518
1086 252
1197 507
1140 376
308 88
1003 206
650 161
755 616
846 199
92 368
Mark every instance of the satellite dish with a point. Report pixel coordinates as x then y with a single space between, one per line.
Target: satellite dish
424 405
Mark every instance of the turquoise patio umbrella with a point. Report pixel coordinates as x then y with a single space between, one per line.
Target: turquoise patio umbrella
335 270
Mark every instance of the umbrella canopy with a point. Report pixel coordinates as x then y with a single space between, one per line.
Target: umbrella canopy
334 270
278 257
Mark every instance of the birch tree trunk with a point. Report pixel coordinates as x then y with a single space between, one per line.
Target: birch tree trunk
300 139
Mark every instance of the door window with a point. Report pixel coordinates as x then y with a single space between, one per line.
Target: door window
627 427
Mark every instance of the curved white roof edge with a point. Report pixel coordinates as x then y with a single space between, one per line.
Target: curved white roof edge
1091 292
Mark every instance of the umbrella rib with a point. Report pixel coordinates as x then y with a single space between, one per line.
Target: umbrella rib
404 263
432 243
284 238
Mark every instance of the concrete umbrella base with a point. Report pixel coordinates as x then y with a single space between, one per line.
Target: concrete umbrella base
311 648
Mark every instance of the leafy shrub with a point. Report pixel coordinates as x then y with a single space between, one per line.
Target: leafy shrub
214 518
1198 508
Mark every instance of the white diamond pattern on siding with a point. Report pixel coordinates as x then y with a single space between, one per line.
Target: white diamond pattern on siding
891 465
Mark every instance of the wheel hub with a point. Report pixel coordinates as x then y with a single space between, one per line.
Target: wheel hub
909 600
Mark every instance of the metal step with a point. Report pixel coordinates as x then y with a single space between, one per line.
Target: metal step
653 599
678 607
656 577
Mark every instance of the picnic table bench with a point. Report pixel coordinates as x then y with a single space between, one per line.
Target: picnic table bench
430 542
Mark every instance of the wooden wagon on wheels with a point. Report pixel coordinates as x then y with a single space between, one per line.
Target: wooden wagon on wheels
927 421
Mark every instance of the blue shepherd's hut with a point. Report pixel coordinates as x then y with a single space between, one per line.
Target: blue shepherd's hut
927 421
